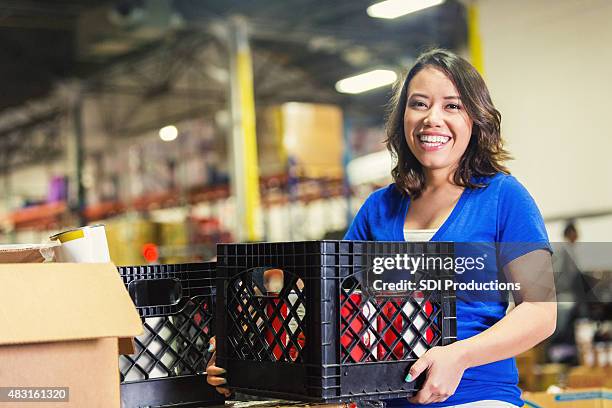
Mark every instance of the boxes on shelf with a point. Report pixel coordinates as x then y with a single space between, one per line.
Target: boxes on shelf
126 238
295 321
548 374
526 363
574 398
63 323
583 376
174 235
168 366
296 130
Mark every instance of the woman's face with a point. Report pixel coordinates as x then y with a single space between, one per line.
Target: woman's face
436 125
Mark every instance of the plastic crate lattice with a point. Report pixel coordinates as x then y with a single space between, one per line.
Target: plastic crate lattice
321 335
177 307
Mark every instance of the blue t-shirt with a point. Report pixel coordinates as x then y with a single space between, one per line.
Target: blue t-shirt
502 212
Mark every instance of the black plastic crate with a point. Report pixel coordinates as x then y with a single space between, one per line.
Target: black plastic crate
176 304
320 334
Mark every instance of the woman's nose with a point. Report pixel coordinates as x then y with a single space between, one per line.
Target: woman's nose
433 118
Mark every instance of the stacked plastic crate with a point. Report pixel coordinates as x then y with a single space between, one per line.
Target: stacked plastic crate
297 320
177 307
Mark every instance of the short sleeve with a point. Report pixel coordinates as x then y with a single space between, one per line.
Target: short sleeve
520 226
359 229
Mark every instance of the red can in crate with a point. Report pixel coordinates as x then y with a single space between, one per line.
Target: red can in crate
277 310
358 337
399 323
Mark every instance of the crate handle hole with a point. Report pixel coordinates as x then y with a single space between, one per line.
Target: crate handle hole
270 281
155 292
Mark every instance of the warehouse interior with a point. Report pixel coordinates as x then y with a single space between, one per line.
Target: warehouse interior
181 124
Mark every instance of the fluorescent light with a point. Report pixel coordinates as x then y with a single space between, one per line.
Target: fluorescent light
396 8
364 82
168 133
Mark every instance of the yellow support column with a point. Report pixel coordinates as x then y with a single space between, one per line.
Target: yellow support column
474 40
245 174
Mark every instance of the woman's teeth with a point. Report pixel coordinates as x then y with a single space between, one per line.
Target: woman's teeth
433 141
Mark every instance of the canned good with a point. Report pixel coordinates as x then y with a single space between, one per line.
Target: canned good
85 244
278 311
358 337
295 326
402 324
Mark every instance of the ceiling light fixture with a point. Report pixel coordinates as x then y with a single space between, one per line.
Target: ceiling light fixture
396 8
365 82
168 133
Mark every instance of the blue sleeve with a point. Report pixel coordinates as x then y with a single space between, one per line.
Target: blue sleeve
520 224
359 229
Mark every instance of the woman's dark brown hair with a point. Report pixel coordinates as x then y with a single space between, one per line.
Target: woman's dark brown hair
485 153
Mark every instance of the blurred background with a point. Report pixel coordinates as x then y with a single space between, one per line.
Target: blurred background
183 123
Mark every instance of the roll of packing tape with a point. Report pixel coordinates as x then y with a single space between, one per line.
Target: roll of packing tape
82 245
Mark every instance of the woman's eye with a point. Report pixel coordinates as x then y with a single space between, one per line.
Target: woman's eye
453 106
417 104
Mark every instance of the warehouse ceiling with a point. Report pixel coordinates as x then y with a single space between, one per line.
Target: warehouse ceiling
301 48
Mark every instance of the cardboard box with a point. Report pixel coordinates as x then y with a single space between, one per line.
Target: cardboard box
126 238
587 377
174 235
60 326
298 130
525 363
577 398
26 253
547 375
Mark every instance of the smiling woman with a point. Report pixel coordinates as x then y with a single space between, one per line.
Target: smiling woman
436 126
451 185
442 98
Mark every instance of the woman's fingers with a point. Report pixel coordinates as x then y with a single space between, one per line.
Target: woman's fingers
215 371
212 346
225 391
427 396
421 397
417 368
438 399
214 378
216 381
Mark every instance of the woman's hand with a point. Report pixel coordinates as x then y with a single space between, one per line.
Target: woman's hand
444 367
213 372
